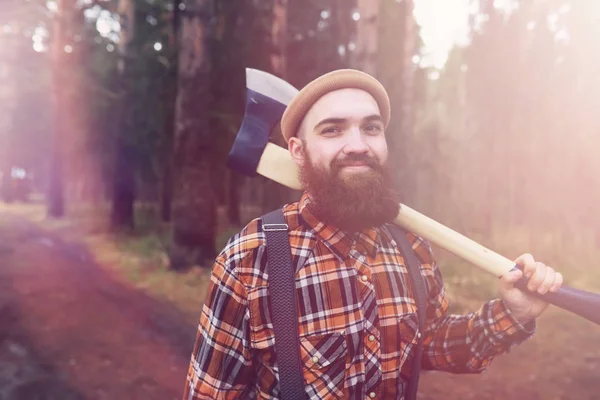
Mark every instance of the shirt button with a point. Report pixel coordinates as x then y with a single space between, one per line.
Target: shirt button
418 335
371 338
372 395
315 359
364 278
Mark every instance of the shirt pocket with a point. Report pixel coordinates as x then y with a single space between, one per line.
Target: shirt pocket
324 361
408 335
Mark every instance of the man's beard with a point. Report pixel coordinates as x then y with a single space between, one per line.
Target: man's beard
352 202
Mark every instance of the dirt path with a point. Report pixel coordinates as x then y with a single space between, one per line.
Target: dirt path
66 325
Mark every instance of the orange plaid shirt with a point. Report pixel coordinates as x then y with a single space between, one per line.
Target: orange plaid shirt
357 317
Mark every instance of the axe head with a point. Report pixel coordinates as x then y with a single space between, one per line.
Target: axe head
266 99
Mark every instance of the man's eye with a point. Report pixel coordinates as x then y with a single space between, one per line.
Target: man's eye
330 130
373 128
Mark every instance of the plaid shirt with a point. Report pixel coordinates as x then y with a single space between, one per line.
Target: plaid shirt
357 317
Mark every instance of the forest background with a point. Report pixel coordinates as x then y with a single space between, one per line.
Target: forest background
121 113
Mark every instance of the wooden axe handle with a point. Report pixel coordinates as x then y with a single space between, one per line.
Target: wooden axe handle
452 241
277 164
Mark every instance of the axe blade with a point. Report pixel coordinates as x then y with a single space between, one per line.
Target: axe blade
266 99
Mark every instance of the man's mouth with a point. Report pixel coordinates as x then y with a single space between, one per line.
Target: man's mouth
355 164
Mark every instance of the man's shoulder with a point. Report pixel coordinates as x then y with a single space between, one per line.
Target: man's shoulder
248 239
422 249
419 244
252 238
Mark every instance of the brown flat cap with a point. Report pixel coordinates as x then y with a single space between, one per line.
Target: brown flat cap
335 80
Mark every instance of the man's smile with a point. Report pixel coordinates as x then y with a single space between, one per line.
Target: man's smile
356 167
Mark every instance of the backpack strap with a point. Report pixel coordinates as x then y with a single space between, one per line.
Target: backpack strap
413 265
282 289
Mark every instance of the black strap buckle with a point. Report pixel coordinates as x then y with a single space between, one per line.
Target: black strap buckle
274 227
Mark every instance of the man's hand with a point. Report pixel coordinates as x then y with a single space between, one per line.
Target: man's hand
541 279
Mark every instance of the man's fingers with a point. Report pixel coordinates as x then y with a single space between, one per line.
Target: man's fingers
527 263
512 276
558 281
548 281
525 259
540 277
537 277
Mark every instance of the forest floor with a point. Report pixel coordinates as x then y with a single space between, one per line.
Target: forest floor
68 330
85 314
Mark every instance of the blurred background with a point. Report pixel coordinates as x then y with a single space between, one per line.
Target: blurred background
116 118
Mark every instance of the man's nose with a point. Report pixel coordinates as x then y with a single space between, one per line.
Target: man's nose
355 142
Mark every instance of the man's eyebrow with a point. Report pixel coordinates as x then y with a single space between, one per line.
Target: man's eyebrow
374 117
369 118
331 121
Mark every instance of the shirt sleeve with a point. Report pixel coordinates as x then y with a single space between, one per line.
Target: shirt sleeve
221 366
464 343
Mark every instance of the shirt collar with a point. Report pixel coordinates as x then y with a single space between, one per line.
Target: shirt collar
340 242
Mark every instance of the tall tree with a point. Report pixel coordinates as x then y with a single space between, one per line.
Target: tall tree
274 194
231 55
194 206
63 21
279 35
123 191
170 95
397 43
365 55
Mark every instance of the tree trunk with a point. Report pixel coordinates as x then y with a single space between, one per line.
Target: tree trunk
63 20
194 206
123 194
366 36
275 195
278 35
397 41
233 198
9 87
170 93
166 194
233 52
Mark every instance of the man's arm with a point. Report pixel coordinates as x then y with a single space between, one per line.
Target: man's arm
464 343
221 365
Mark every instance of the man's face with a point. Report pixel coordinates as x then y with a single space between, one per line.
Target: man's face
341 151
343 127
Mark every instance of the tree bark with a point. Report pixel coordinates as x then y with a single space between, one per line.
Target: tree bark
7 111
62 20
397 41
278 35
123 195
194 205
166 194
170 93
274 194
367 36
233 198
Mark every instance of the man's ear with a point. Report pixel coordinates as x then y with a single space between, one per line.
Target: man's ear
296 148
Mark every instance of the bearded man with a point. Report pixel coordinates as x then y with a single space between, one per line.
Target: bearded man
357 314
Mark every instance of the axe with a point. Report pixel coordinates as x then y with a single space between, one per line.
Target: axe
252 154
